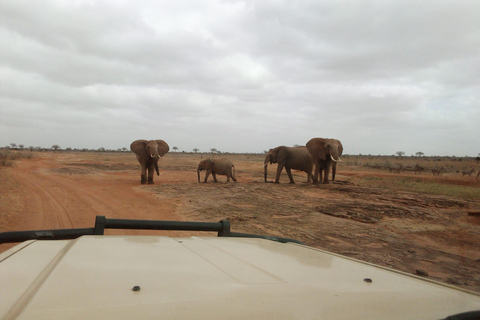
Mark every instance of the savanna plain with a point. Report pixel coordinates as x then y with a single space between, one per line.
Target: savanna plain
422 224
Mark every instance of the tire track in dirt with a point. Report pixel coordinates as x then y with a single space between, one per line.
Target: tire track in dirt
72 201
48 204
44 206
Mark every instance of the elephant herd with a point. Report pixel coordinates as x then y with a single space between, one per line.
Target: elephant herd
319 153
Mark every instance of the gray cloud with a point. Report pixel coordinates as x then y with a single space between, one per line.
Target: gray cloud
242 76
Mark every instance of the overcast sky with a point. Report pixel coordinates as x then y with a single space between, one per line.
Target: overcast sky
242 76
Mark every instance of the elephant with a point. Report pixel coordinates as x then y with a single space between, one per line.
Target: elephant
148 153
297 158
468 172
217 166
325 154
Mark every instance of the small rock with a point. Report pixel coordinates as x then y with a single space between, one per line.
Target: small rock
422 273
453 281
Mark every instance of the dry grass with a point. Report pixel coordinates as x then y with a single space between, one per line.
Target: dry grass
7 157
451 183
419 185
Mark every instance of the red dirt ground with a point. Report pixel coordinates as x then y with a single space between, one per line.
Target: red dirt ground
436 236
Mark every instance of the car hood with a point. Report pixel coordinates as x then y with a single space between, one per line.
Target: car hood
153 277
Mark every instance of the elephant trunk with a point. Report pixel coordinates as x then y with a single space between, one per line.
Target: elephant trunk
198 174
155 162
265 166
268 159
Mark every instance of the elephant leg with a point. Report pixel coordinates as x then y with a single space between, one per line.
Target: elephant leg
150 170
279 171
207 174
228 177
289 173
317 172
214 175
309 177
327 169
143 173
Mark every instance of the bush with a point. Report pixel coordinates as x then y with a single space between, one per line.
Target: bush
4 158
7 156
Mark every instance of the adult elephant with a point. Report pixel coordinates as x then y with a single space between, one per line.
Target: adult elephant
148 153
325 153
216 166
296 158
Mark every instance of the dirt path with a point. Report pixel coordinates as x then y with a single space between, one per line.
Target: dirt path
416 233
52 196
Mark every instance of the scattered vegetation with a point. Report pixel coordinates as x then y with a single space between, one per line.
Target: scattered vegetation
7 156
423 186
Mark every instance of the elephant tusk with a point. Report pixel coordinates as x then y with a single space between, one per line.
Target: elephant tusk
336 160
265 164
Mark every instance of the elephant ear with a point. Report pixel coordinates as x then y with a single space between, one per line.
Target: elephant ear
163 147
321 153
209 163
139 147
273 155
340 148
316 147
282 154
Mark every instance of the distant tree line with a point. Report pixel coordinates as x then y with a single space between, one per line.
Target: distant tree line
175 149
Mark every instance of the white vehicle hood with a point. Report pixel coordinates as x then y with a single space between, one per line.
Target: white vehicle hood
153 277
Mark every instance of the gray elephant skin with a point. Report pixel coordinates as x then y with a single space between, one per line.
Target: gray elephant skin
325 154
216 166
148 153
296 158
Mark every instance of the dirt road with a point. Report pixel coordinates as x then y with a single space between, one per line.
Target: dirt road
416 233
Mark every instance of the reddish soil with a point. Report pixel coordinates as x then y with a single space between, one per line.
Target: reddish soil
434 236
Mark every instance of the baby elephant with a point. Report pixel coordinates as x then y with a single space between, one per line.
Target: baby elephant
216 166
